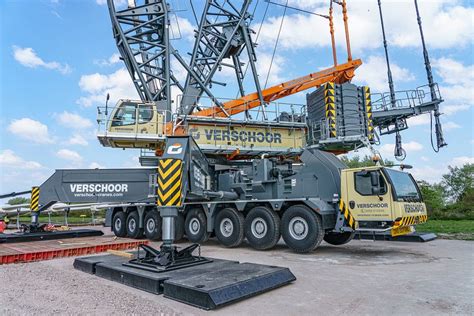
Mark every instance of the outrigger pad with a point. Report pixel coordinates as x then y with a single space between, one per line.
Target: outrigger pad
413 237
208 286
24 237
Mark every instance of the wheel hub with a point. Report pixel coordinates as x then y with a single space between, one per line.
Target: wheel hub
226 227
150 225
259 227
118 224
298 228
132 225
194 226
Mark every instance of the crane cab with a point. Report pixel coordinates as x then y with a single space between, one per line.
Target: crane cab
132 124
380 198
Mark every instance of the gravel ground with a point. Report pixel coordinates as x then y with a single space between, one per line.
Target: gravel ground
363 277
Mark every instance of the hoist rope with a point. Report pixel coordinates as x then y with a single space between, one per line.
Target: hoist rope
276 45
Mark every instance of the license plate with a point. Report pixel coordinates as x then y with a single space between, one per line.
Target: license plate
401 231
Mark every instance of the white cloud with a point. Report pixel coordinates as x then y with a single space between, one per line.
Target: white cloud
450 125
428 173
276 72
77 139
386 150
28 58
458 84
117 2
181 28
73 120
112 60
460 161
418 120
31 130
69 155
447 24
373 72
95 165
96 86
8 159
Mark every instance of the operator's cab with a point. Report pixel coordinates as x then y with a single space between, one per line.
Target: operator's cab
381 198
132 124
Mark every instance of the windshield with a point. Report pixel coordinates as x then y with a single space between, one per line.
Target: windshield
404 185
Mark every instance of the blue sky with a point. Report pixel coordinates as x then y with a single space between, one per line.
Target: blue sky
59 60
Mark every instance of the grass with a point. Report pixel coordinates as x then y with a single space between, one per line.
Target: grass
449 229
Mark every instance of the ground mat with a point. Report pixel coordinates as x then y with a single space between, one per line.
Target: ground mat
207 286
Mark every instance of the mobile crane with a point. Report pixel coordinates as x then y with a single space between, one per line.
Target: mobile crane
251 182
258 172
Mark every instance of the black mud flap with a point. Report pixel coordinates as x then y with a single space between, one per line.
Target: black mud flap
24 237
207 286
413 237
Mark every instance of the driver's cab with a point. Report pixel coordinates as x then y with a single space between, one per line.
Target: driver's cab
132 124
380 198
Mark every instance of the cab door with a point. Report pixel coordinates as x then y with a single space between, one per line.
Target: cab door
369 197
146 122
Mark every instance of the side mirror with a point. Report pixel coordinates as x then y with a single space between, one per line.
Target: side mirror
376 190
374 179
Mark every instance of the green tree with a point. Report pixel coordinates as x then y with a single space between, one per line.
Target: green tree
366 161
433 196
459 182
18 200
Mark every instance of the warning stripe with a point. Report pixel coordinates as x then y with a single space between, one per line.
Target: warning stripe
368 111
350 220
413 220
34 201
170 176
330 106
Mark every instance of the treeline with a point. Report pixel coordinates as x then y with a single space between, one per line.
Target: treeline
453 197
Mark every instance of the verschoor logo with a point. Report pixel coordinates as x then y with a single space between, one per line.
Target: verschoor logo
174 149
99 188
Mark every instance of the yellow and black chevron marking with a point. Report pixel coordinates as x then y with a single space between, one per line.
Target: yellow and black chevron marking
347 215
34 202
368 110
329 101
170 176
413 220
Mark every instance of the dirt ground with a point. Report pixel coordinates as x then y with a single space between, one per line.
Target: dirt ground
363 277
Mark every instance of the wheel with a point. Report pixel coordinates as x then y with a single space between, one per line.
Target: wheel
301 228
133 225
195 226
338 238
229 227
118 224
262 228
179 227
152 225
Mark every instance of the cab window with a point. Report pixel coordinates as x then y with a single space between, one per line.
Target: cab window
145 113
366 182
125 115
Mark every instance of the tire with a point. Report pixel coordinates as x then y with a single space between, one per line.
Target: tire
262 228
133 225
229 227
337 239
119 224
152 225
195 226
179 227
301 228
